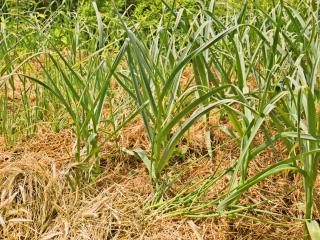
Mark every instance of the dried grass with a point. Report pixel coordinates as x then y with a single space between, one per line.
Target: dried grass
36 202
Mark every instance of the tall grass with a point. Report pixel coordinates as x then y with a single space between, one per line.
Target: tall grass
277 34
155 76
258 67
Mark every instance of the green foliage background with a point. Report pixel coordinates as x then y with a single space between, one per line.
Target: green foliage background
142 15
145 12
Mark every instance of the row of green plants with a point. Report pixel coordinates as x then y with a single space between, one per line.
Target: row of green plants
274 47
